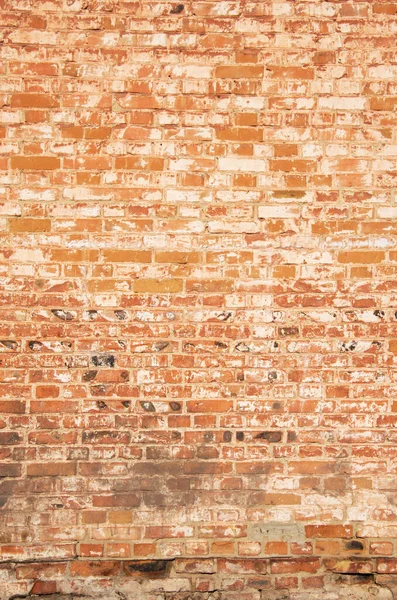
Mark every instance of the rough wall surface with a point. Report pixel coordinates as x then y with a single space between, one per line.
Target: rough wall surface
198 326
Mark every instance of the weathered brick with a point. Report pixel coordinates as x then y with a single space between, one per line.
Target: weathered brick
307 565
63 255
197 304
10 470
158 286
361 257
94 568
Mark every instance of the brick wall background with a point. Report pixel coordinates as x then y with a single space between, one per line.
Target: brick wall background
198 306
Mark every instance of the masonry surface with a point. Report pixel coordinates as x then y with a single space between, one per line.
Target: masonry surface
198 306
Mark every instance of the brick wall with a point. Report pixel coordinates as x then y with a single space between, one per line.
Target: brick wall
198 306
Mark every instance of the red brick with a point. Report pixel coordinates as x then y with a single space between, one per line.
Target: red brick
89 568
47 391
44 587
51 469
10 470
41 570
329 531
91 550
386 565
306 565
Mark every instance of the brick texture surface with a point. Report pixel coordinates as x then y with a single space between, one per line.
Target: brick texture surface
198 299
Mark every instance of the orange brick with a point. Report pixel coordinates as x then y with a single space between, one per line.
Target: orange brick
329 531
21 225
222 548
130 256
384 8
361 257
41 68
244 181
91 550
246 56
387 103
361 272
158 286
281 499
285 150
393 346
47 391
34 101
118 550
240 134
276 548
144 549
135 163
120 516
239 72
246 119
88 133
303 564
303 166
99 568
177 257
35 163
284 272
